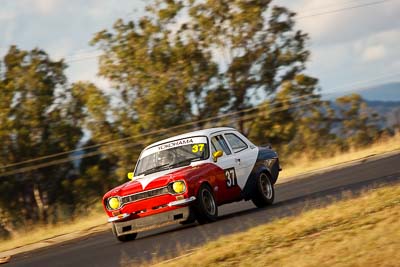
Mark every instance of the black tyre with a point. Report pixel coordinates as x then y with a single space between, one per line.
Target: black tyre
192 217
123 238
264 191
205 208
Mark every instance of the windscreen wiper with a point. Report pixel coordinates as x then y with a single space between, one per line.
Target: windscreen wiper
184 162
155 169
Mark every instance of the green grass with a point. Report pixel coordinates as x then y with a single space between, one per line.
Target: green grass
364 231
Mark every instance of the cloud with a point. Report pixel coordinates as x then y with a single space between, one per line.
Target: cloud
327 58
361 60
7 15
46 7
107 9
373 53
61 49
378 46
329 23
7 20
86 70
395 64
346 46
349 45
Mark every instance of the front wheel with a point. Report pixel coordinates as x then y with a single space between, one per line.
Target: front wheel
264 192
206 208
191 218
123 238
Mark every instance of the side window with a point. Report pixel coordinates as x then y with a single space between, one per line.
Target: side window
218 143
235 142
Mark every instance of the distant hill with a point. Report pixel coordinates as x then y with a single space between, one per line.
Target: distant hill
383 106
383 99
383 92
390 110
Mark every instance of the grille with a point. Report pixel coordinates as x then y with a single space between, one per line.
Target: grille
144 195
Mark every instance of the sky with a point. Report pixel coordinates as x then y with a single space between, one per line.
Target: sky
353 43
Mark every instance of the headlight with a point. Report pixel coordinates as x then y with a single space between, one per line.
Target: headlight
113 203
178 187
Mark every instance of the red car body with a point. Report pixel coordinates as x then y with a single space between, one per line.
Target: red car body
213 179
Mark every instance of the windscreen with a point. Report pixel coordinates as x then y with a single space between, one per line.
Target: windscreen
172 154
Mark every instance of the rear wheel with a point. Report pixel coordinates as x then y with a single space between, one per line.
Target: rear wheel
206 208
123 238
264 192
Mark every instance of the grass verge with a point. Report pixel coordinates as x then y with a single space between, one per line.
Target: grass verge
304 164
364 231
37 233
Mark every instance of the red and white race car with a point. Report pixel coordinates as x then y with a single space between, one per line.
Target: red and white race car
186 177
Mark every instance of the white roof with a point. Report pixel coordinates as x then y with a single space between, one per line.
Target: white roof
205 132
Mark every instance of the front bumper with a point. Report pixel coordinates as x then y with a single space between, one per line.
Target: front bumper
180 202
151 222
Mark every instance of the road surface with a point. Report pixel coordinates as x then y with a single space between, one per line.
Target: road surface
292 198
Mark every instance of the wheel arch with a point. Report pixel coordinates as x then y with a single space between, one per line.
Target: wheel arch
251 183
200 183
270 160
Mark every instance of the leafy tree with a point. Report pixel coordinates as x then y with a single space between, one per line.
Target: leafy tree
260 46
169 61
296 119
161 80
190 60
359 125
155 77
105 123
38 117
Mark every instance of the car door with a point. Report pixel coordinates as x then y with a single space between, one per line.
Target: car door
244 153
229 190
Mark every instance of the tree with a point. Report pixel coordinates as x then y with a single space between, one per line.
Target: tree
359 125
296 120
38 117
155 78
216 60
106 123
260 47
396 119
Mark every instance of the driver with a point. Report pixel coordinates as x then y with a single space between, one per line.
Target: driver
166 157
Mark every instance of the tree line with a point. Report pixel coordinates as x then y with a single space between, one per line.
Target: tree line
184 64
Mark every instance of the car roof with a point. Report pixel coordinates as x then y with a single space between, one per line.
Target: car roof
205 132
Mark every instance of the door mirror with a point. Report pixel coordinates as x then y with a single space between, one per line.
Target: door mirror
217 154
130 175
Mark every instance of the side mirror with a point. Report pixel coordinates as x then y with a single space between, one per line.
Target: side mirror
130 175
217 154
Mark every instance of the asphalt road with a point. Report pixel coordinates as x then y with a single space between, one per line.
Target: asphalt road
292 198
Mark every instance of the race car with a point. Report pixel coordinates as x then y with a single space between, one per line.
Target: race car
187 177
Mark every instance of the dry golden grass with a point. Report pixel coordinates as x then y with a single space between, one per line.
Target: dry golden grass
304 164
38 233
359 232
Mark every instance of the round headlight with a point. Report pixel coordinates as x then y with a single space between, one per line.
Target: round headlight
179 187
114 203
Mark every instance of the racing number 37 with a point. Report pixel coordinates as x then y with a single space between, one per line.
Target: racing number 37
197 148
230 176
